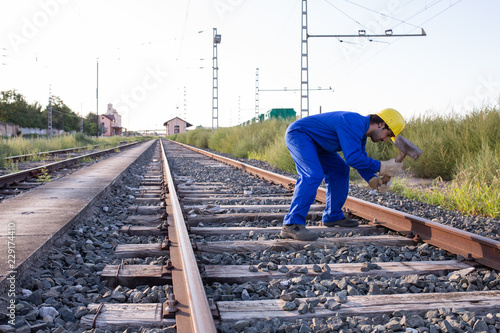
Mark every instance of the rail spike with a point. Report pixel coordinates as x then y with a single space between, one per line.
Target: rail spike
165 244
169 307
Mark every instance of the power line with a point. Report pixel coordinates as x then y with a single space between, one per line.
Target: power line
350 17
379 13
402 21
441 12
304 76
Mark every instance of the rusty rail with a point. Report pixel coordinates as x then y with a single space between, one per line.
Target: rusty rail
473 247
34 172
194 314
50 152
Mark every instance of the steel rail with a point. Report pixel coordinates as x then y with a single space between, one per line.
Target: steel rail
53 152
34 172
50 152
199 317
471 246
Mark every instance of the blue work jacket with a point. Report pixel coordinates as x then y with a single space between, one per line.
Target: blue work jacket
341 131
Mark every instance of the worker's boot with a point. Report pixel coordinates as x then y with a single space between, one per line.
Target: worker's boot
345 222
298 232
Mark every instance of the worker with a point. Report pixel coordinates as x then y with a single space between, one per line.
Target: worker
314 143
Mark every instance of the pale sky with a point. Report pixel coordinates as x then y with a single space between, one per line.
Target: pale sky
155 56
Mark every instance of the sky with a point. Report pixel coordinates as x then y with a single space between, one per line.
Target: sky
152 59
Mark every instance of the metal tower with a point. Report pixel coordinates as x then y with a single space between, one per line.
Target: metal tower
97 99
256 93
185 111
304 65
215 82
304 74
49 117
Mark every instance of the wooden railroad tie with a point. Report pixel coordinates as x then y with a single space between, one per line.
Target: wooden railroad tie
154 250
123 316
135 275
153 230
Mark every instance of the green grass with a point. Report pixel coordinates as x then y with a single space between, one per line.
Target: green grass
21 146
461 150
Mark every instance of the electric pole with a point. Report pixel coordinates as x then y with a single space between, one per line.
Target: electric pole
256 92
304 68
215 82
97 100
185 112
304 64
49 116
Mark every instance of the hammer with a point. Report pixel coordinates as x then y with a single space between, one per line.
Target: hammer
406 147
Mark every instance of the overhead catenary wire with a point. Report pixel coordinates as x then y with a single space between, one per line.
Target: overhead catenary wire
416 26
382 14
350 17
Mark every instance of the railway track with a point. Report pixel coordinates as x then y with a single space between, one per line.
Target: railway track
34 169
226 268
192 245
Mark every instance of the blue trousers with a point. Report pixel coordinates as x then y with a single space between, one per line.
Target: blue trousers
313 165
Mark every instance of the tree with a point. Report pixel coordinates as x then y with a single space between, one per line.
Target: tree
89 124
62 116
15 109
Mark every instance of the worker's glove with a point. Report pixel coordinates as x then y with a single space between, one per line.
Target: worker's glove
378 184
375 182
390 168
383 188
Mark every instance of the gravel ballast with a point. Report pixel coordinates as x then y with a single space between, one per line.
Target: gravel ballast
57 291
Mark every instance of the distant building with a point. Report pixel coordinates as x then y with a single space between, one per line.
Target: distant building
111 122
176 125
8 129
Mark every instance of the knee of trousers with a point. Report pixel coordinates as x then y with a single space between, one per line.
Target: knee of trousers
312 181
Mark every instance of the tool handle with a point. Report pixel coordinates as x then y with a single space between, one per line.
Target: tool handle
400 157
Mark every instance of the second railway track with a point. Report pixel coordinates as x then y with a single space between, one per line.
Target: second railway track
213 260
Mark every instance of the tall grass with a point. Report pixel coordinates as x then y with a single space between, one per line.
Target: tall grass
464 150
20 146
461 149
198 138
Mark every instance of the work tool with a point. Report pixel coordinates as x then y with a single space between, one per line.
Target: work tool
406 147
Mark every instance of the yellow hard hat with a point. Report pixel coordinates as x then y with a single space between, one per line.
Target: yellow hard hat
393 120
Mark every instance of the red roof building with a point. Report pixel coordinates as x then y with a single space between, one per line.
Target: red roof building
176 126
111 122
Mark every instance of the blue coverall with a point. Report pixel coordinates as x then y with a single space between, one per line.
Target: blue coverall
313 142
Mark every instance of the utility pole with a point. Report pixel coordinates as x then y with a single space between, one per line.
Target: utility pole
185 114
239 110
304 74
304 64
49 117
215 82
97 100
256 92
81 117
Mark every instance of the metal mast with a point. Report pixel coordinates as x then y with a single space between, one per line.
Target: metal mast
256 93
304 75
49 118
81 117
215 82
97 99
304 65
239 110
185 113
